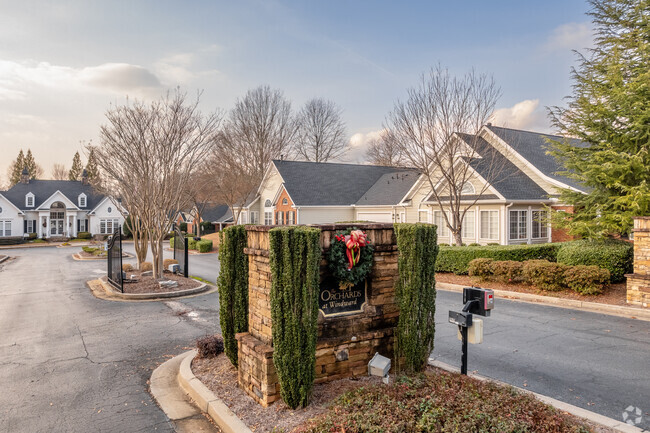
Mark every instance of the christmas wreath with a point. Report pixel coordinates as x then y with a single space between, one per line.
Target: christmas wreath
350 256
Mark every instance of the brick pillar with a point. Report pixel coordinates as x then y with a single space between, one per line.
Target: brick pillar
638 283
346 341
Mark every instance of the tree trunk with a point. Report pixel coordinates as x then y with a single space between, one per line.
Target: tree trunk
141 245
458 238
156 251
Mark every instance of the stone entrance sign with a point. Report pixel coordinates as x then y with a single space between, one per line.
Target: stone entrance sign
353 323
335 299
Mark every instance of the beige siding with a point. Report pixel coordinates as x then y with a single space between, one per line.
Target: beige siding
324 215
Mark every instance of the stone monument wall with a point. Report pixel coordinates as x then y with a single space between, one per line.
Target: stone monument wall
353 324
638 283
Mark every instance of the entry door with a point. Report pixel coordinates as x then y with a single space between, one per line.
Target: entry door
57 227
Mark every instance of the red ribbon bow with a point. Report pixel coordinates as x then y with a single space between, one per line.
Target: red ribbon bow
354 241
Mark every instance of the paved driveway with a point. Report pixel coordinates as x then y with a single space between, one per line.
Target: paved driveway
70 362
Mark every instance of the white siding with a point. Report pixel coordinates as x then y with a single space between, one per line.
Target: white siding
102 213
324 215
9 213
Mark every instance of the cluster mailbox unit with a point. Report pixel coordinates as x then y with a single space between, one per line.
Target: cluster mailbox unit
479 302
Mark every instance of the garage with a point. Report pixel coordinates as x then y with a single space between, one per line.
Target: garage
378 217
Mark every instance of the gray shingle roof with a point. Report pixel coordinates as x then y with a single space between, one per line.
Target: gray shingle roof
43 189
533 147
507 179
334 184
216 212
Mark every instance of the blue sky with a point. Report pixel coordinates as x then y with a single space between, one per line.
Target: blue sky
63 63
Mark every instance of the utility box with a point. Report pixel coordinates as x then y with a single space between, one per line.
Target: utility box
484 298
474 331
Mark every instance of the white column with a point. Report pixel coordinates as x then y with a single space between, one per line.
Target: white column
529 225
47 226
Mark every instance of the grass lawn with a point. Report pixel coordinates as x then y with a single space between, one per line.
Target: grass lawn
441 402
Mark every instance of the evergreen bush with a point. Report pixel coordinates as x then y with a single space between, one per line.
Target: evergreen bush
294 257
614 255
507 271
415 292
204 246
481 268
456 259
544 275
233 288
586 280
80 235
171 242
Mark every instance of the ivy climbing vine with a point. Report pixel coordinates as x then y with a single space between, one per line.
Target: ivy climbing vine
295 256
233 287
416 294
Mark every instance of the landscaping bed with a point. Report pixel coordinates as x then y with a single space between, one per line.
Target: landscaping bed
149 284
437 401
614 294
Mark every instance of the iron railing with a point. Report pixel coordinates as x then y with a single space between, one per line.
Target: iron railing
114 254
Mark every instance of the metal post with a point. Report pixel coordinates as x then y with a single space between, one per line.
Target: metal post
187 264
463 366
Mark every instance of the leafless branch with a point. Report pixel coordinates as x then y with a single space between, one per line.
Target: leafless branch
321 131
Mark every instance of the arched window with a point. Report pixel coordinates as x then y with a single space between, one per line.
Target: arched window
468 189
268 203
285 201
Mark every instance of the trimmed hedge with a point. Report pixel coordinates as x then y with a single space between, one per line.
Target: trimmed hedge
456 259
204 246
191 243
171 242
544 274
614 255
587 280
415 292
294 257
80 235
233 288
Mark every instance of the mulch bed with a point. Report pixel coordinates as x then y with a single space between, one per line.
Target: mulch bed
149 284
86 255
615 294
219 375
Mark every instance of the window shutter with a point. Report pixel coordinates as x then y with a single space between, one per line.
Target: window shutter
25 230
78 225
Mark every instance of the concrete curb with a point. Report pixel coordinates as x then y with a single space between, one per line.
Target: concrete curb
594 307
3 258
151 296
78 258
206 400
17 246
560 405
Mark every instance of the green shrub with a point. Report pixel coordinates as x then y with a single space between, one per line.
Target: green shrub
456 259
83 235
481 268
191 243
587 280
204 246
183 227
614 255
233 288
90 250
171 243
507 271
544 275
415 292
294 257
35 235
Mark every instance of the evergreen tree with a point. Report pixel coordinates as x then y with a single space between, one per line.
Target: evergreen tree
17 169
34 169
610 112
92 170
76 169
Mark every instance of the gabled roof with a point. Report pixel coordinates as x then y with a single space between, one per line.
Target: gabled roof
507 178
214 212
335 184
44 189
532 146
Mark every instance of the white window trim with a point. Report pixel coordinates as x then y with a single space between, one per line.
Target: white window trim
470 189
82 200
519 227
3 228
496 237
542 226
443 224
465 225
268 218
27 198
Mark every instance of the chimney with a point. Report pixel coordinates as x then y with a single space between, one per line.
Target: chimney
489 124
84 177
24 176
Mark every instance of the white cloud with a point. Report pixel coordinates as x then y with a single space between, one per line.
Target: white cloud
118 76
180 68
523 115
570 36
359 145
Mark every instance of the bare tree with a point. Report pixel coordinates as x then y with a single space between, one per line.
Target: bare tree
384 150
148 153
59 172
321 131
426 127
260 128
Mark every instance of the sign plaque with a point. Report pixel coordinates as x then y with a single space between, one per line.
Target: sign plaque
336 299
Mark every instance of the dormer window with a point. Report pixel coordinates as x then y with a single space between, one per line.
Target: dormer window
29 200
82 200
468 189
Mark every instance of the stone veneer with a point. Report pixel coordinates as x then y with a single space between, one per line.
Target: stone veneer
638 283
346 343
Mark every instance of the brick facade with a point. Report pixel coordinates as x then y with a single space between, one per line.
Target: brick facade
346 343
285 217
560 235
638 283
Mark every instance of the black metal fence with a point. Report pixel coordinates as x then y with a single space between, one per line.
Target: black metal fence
180 251
114 254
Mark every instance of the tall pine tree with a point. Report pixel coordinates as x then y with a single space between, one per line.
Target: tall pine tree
76 169
17 169
34 169
610 112
92 170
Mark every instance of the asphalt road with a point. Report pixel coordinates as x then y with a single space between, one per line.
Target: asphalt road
73 363
70 362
